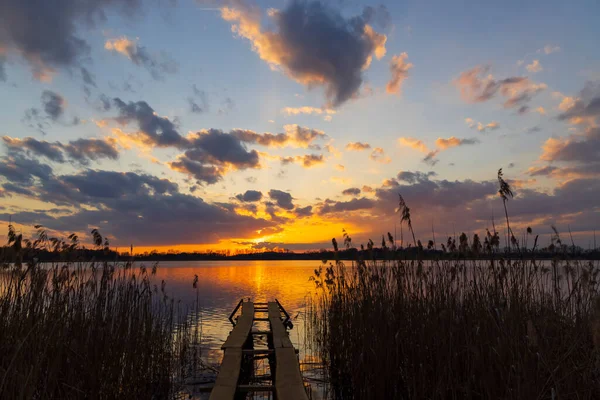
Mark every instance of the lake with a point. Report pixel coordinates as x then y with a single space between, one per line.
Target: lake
221 285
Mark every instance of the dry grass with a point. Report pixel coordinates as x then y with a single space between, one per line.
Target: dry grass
87 330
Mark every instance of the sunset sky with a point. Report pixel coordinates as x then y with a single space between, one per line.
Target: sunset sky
238 124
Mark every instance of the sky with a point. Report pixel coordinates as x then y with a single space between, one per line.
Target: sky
240 124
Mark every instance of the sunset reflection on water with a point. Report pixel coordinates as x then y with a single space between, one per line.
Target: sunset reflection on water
221 285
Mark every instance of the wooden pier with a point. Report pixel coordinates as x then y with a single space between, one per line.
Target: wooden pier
237 377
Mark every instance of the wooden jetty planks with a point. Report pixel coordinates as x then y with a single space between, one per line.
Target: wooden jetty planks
288 384
240 332
288 379
229 373
280 336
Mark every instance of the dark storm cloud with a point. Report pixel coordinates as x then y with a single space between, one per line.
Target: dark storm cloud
303 212
216 147
208 154
18 169
131 207
53 104
81 151
351 192
362 203
208 174
313 44
416 176
46 32
250 196
159 131
52 151
282 199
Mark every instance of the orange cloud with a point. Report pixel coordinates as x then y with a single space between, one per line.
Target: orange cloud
357 146
378 155
534 67
399 68
413 143
307 110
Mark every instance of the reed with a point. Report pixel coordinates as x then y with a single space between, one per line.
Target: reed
493 328
87 329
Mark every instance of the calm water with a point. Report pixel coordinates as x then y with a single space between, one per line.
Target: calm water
221 285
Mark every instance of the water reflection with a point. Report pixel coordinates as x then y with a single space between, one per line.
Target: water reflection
221 284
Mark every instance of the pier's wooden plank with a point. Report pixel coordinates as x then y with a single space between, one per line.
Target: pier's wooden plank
280 336
229 373
238 336
288 379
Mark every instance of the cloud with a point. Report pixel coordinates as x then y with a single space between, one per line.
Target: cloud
441 144
540 110
81 151
414 176
131 207
53 41
307 160
303 212
574 148
413 143
351 192
88 77
430 159
53 104
378 155
312 44
367 189
549 49
480 126
356 204
477 85
212 153
84 150
208 174
2 68
154 129
294 135
357 146
582 109
307 110
452 141
250 196
157 64
282 199
399 67
534 67
202 97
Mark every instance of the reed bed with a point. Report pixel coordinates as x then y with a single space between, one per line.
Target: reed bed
88 330
494 329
